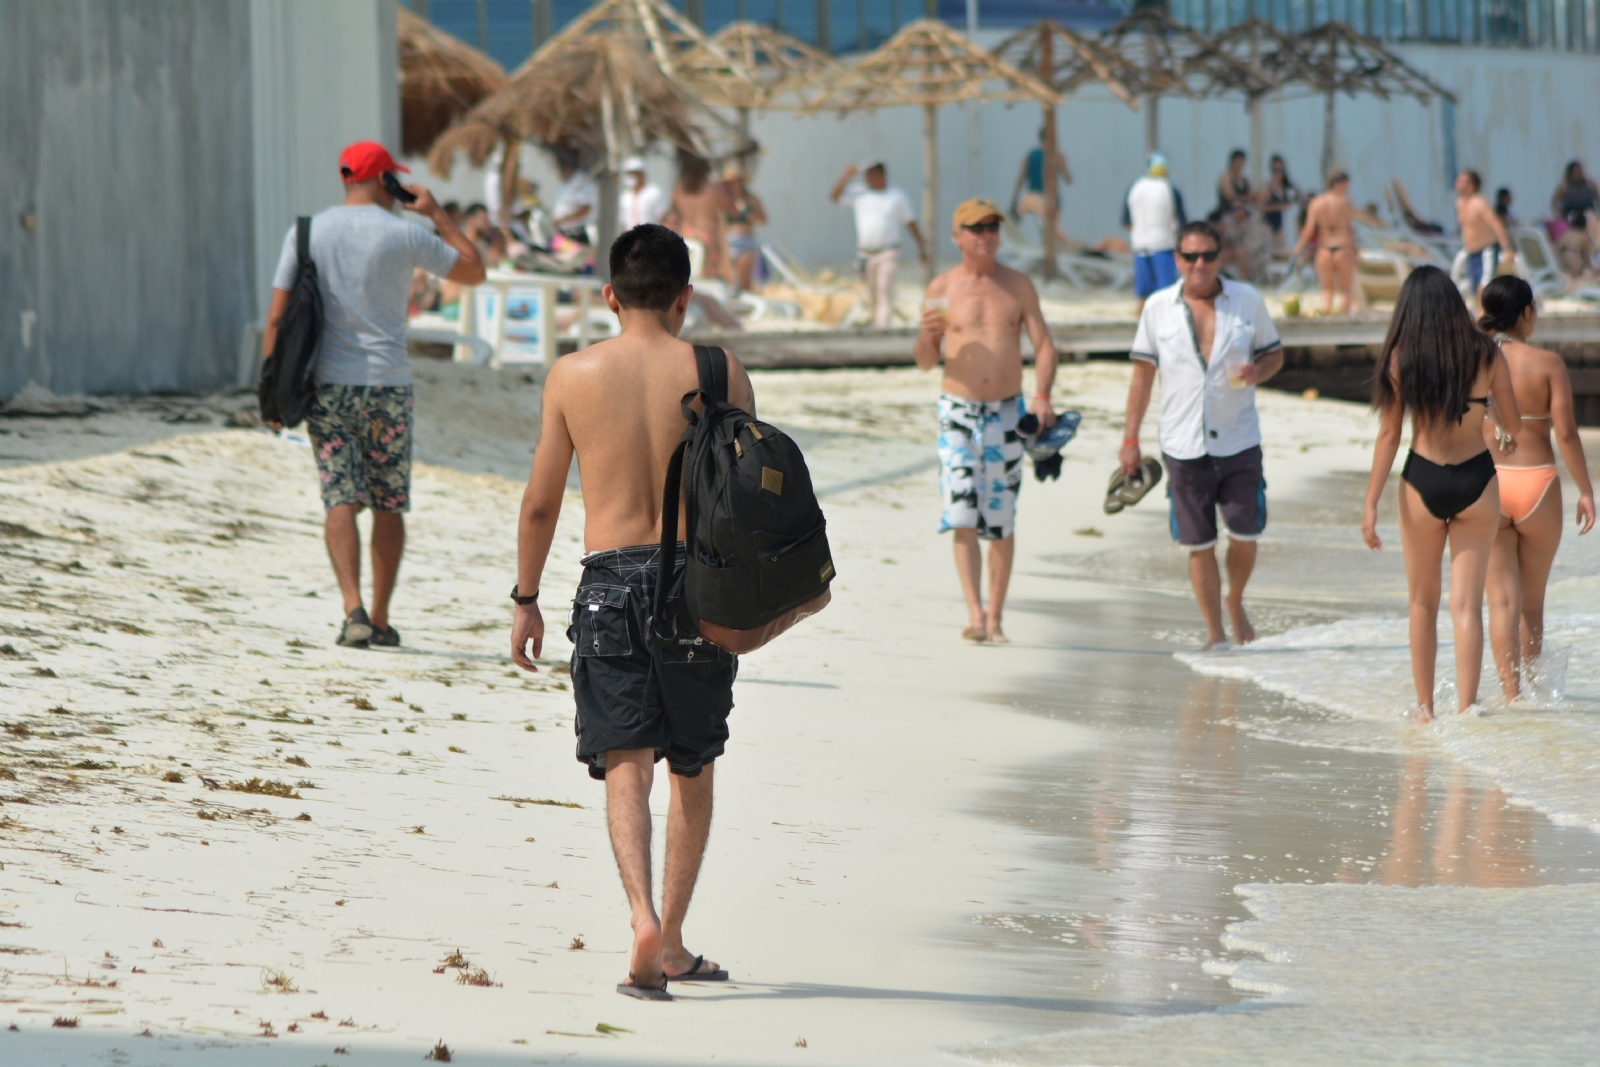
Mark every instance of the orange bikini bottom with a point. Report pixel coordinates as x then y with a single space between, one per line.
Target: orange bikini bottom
1522 489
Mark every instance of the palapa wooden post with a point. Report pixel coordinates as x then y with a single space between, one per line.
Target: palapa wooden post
1052 209
930 191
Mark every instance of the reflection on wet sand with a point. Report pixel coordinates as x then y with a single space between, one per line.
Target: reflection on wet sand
1483 843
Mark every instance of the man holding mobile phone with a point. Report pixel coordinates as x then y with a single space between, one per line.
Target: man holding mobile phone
1213 342
361 417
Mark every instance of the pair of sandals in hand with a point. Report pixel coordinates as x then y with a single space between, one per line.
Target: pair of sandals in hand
631 988
1127 490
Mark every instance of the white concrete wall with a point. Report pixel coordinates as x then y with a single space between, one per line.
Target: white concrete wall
322 75
1521 117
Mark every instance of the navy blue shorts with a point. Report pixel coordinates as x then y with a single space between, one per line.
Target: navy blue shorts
1152 271
1198 488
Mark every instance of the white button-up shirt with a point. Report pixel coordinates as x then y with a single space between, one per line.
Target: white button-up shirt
1201 412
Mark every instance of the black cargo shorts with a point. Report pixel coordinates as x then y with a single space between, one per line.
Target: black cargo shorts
634 691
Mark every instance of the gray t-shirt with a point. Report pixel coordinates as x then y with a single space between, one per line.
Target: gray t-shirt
364 257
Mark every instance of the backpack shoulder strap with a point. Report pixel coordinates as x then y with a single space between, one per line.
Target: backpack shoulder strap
302 238
713 365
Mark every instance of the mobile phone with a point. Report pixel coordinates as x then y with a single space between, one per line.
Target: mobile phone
396 190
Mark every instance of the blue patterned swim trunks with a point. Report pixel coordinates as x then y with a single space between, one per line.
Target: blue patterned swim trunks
980 464
362 439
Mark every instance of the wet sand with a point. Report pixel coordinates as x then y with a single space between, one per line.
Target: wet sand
922 848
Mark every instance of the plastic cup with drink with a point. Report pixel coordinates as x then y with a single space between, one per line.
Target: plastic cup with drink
1238 357
940 304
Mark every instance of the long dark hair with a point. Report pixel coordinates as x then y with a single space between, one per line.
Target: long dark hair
1504 300
1433 349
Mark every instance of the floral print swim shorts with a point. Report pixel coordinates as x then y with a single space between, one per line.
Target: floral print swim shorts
362 438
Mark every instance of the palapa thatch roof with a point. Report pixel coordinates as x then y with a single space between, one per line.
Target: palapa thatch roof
786 73
1163 57
441 78
1071 53
597 95
927 63
1275 53
1353 63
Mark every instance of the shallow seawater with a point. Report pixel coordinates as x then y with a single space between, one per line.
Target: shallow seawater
1289 767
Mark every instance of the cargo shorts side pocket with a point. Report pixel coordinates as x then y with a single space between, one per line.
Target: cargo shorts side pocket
601 625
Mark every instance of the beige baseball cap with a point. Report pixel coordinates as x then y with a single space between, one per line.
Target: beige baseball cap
976 210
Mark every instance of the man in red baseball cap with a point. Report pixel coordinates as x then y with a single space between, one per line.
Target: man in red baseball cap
361 418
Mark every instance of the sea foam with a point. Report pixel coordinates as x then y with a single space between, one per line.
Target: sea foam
1543 752
1350 974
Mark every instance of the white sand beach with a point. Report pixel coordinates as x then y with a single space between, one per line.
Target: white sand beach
226 841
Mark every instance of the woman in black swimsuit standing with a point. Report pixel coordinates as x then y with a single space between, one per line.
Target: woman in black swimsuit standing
1438 366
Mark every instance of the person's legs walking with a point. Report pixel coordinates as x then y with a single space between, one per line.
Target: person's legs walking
1471 539
881 270
1207 582
1326 277
1422 540
388 545
344 551
688 829
1541 536
1002 553
1503 587
1241 562
629 776
969 568
1344 277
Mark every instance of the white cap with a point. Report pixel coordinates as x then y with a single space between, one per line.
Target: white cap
633 164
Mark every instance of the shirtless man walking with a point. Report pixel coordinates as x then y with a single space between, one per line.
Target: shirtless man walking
980 454
616 404
1329 219
1483 235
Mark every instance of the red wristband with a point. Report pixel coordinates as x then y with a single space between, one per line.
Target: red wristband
1130 440
1041 396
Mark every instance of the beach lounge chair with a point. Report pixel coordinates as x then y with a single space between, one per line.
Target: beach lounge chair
1537 264
1089 273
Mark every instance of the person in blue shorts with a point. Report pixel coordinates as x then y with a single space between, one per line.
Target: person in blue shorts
1152 213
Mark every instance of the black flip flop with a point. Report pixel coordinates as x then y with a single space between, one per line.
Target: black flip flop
695 974
643 992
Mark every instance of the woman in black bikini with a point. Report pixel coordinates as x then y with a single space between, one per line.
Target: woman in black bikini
1438 366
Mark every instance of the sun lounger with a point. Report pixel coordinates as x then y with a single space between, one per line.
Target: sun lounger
1537 264
1089 273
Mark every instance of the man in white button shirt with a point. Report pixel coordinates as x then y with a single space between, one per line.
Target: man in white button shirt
881 209
1213 343
642 200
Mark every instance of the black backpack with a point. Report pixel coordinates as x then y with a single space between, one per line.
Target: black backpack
286 387
758 559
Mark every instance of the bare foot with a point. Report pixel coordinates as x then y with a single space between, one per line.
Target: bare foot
996 636
974 633
1243 632
677 964
644 966
1421 714
1215 643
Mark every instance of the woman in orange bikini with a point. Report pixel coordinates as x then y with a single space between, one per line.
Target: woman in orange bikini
1530 491
1437 366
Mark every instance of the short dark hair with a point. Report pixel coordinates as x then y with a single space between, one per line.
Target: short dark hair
474 208
1237 153
1200 228
649 267
1336 177
1475 178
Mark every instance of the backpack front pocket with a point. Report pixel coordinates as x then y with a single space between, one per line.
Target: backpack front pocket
602 621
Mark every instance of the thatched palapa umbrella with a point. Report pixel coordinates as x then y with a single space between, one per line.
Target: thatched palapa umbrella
786 74
440 80
622 76
1166 58
1349 62
1040 50
1278 58
929 64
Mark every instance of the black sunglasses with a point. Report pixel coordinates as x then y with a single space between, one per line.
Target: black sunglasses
983 227
1209 257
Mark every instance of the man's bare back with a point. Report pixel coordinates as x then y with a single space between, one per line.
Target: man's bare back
983 330
616 404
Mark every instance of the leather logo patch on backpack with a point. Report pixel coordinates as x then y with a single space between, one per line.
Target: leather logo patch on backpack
826 574
772 481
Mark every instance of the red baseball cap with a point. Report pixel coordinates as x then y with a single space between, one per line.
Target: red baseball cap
366 160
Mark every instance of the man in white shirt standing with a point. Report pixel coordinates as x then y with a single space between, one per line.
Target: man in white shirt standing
641 200
1213 343
881 209
1152 213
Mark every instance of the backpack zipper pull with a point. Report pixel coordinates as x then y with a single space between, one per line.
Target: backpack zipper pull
755 432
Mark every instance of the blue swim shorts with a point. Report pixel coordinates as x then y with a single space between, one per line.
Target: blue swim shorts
1152 271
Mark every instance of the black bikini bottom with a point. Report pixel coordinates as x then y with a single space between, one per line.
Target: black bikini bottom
1448 489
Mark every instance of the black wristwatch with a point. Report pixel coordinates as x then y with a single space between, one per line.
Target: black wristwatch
524 600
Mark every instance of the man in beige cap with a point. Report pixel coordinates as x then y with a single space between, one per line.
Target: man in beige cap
977 312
